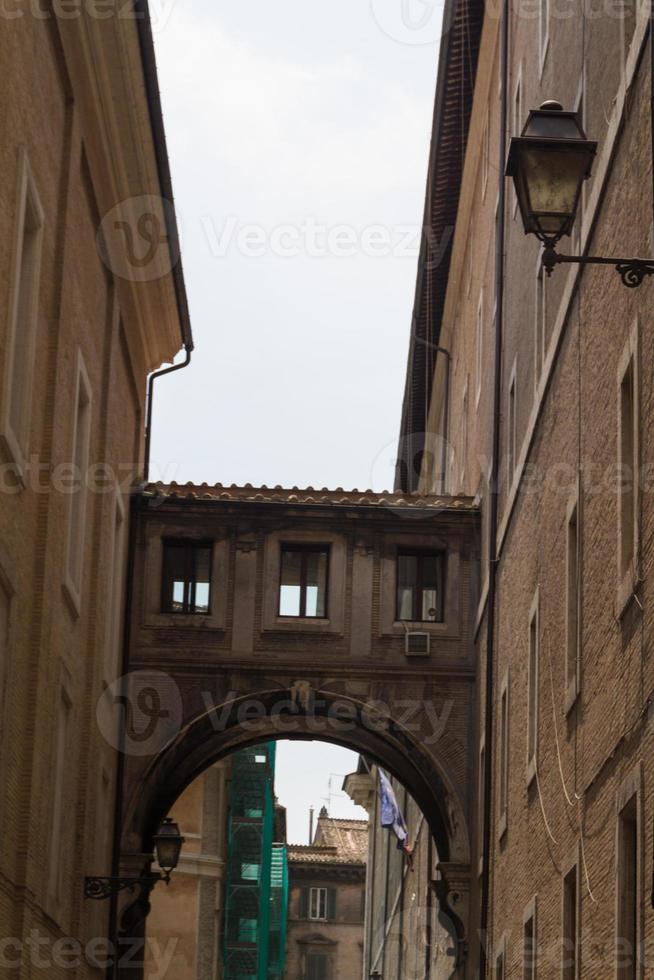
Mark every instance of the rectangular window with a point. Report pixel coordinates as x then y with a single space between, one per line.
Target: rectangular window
318 966
318 904
420 587
187 577
573 603
504 755
78 497
499 966
512 428
569 944
539 323
115 595
23 316
529 954
59 803
628 888
628 466
532 696
304 577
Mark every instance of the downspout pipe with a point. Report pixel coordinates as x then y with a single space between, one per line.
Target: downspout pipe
493 495
148 425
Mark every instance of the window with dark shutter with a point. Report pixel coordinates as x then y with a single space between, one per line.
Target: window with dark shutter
304 903
318 907
317 966
331 904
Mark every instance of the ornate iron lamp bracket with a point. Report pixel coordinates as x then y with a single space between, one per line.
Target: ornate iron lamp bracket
631 271
100 888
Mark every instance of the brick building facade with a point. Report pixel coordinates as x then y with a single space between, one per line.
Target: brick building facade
550 378
84 321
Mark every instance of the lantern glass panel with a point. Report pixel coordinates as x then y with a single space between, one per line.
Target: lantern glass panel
553 179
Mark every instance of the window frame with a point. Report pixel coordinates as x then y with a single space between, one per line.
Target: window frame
304 548
530 915
320 892
630 795
27 200
533 682
573 647
504 756
479 351
628 562
115 591
500 959
327 961
82 432
190 545
64 723
570 872
421 553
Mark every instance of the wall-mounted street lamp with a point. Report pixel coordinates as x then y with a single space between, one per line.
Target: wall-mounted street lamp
549 163
167 849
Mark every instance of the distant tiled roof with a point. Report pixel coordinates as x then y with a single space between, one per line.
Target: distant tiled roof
294 495
335 842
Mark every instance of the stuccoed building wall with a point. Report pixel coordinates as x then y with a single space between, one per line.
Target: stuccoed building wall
326 902
185 925
80 329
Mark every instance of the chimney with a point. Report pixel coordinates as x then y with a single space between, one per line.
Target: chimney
311 825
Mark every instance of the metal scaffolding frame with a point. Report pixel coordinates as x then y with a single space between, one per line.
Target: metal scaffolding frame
256 894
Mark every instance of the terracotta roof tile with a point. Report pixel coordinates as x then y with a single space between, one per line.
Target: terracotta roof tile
308 496
336 842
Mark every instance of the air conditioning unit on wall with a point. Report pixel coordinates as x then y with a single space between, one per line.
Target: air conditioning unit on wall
416 644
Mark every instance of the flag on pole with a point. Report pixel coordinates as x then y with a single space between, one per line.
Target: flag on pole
391 816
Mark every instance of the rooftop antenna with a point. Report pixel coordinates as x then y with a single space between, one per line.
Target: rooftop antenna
311 812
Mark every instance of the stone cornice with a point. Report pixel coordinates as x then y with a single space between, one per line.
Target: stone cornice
103 58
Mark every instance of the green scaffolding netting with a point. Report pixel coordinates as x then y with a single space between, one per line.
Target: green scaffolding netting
256 889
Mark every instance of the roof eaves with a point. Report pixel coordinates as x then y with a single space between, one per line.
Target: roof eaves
146 44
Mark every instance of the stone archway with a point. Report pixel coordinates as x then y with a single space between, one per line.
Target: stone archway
300 712
243 673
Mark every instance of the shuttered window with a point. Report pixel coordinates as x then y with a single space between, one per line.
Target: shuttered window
318 966
318 904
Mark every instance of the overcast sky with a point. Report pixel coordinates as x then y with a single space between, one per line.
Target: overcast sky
298 134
